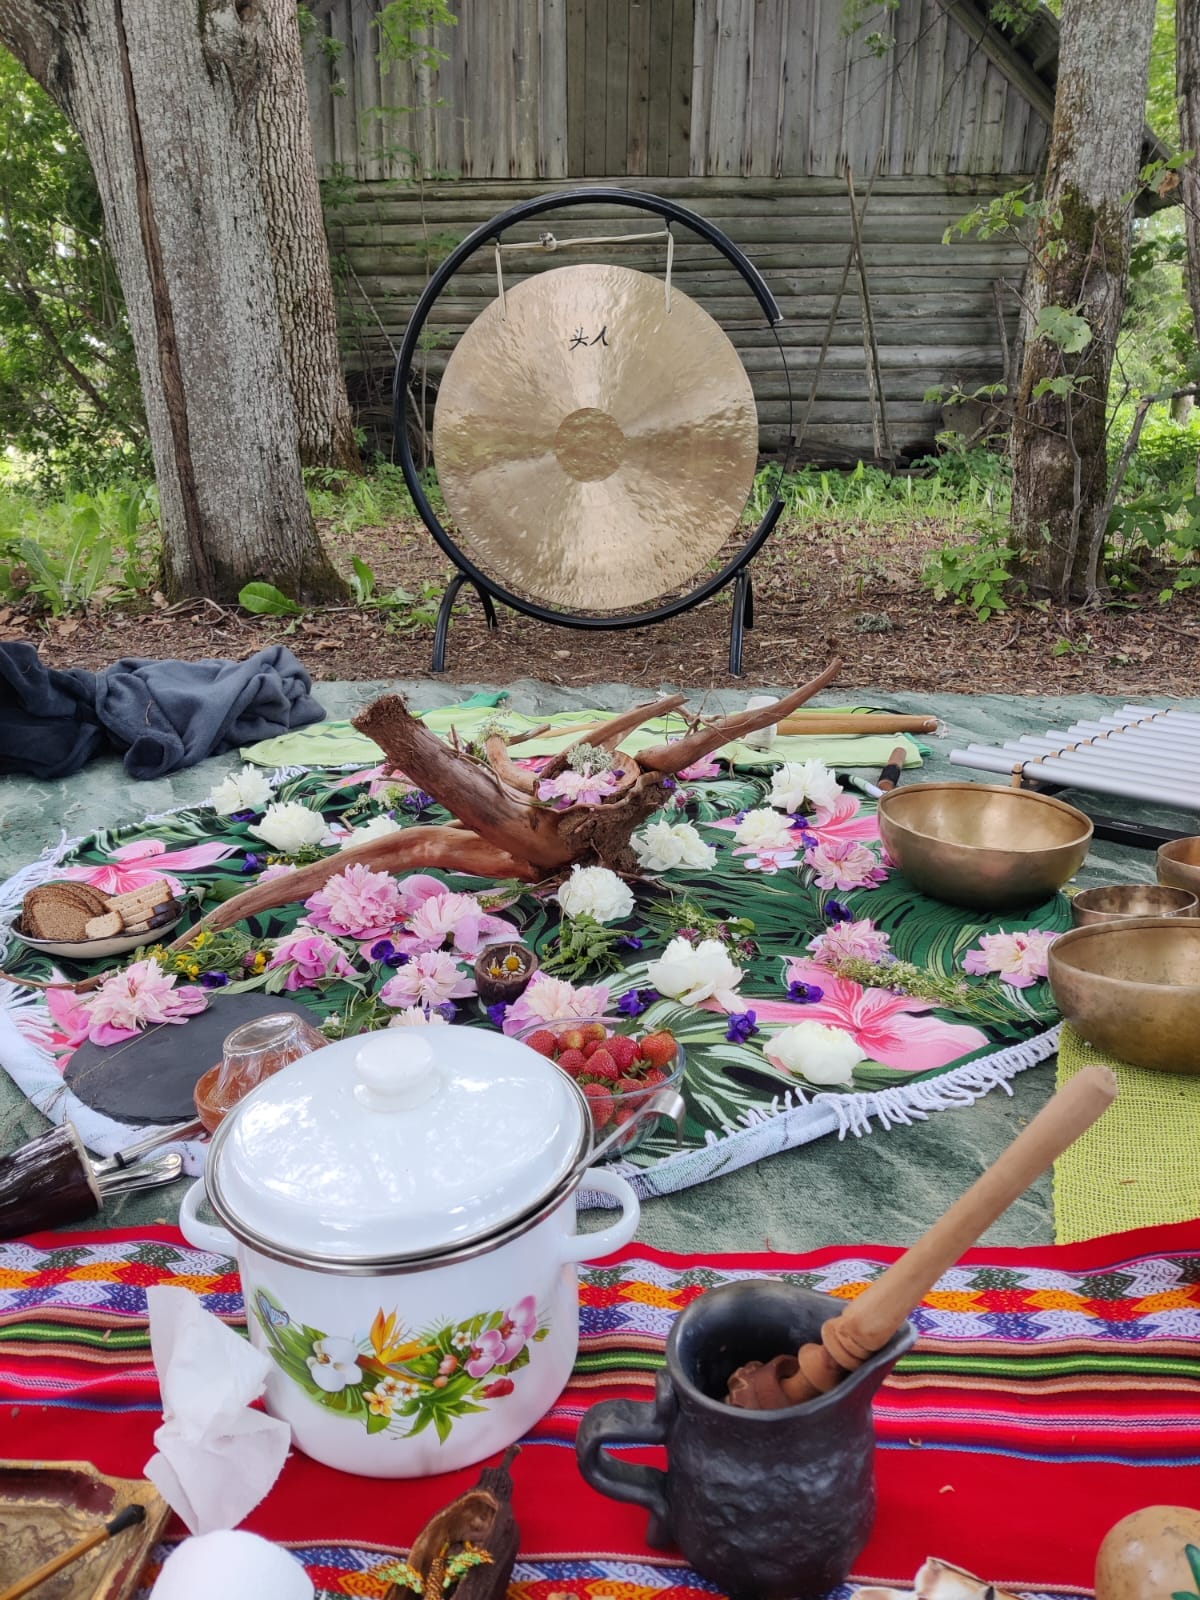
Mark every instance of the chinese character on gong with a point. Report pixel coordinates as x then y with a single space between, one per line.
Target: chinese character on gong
579 337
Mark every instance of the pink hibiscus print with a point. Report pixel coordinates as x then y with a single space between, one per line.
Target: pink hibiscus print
498 1346
843 823
151 857
887 1027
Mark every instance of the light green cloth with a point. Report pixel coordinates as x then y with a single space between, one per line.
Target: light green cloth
338 744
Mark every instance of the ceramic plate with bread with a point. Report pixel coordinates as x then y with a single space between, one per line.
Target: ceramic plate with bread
81 923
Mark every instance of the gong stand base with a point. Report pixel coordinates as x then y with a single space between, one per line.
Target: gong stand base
741 619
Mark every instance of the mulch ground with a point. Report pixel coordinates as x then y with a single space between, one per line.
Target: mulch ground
821 588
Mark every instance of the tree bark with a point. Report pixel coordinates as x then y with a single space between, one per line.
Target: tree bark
287 171
163 98
1187 89
1081 264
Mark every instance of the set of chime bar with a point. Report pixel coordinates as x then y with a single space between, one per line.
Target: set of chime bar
1138 752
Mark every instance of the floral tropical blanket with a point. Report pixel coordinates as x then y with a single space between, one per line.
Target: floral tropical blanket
813 989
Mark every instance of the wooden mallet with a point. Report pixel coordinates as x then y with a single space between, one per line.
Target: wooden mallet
869 1321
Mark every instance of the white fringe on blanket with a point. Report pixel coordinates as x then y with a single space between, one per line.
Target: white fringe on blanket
788 1121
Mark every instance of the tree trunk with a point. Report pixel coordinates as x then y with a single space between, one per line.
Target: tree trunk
1187 88
163 97
1060 474
287 171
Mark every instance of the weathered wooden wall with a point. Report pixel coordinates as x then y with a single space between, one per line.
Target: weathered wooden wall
749 111
674 88
934 304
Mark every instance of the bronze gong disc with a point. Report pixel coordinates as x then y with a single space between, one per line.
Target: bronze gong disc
595 448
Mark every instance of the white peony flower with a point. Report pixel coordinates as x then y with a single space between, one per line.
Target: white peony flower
693 973
800 786
246 790
662 845
375 829
417 1017
595 892
290 826
820 1054
765 830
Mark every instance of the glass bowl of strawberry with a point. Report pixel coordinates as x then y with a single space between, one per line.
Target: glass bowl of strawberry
617 1072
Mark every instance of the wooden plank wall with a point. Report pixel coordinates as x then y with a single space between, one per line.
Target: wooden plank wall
934 304
538 89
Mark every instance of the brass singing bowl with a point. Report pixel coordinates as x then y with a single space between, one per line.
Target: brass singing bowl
1132 989
1118 900
982 845
1179 864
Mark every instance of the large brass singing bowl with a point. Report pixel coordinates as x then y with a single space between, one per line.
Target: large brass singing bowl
1132 989
1179 864
982 845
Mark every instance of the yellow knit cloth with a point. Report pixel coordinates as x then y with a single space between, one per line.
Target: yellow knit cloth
1139 1165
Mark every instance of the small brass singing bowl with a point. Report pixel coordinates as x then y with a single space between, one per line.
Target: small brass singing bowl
1118 900
1132 989
982 845
1179 864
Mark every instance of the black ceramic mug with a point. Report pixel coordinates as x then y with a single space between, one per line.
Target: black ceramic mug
776 1504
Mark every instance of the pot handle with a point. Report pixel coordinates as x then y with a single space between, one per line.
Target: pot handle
589 1246
202 1235
630 1422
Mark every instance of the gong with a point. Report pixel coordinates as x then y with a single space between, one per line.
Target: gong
596 437
595 433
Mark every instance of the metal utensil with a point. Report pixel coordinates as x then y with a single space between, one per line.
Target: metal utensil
662 1103
143 1175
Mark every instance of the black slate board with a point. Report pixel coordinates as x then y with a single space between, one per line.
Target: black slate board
152 1078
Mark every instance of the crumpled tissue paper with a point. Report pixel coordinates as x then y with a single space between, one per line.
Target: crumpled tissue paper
216 1457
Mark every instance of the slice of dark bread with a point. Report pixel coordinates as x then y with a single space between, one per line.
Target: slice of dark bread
48 913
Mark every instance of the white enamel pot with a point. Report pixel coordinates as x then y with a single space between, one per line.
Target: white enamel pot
402 1210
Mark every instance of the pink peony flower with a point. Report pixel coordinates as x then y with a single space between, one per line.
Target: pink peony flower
887 1027
551 1000
577 788
312 957
356 903
850 941
279 869
843 864
140 996
452 921
1020 959
429 979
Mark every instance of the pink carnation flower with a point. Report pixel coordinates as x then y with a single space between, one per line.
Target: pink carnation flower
1019 959
312 957
844 864
577 788
429 979
141 996
356 904
850 941
552 1000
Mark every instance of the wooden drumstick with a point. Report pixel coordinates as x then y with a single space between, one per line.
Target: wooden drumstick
890 776
869 1321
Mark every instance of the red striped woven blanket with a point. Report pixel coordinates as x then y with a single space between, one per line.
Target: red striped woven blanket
1051 1392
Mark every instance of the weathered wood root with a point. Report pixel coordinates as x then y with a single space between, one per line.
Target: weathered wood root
453 849
694 746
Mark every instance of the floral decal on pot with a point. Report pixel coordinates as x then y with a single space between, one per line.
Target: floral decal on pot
400 1382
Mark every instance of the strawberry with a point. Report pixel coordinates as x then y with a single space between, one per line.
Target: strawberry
601 1104
573 1061
571 1039
629 1086
659 1049
601 1065
543 1041
623 1050
594 1030
592 1046
653 1077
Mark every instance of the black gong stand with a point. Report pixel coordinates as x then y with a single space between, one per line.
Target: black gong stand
735 571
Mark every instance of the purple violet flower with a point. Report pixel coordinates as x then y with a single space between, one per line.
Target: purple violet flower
497 1013
447 1009
835 911
251 863
668 784
635 1001
741 1027
242 816
805 994
417 801
385 952
213 980
629 941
